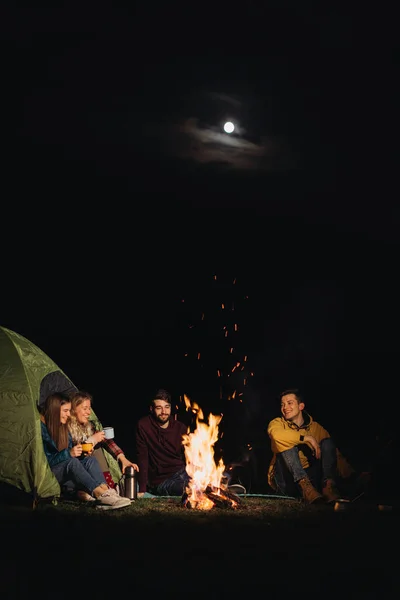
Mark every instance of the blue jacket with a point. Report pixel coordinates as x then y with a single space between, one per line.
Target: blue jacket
54 456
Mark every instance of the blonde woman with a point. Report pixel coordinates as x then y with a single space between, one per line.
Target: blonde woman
66 460
110 456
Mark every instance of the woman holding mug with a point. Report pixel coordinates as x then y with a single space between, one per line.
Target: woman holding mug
83 429
65 457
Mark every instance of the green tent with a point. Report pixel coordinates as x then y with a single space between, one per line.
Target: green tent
27 377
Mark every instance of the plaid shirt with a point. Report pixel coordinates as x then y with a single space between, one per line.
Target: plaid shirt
112 448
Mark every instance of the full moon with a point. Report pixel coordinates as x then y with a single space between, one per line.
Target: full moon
229 127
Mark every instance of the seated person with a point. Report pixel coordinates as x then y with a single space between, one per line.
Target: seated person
160 452
66 461
107 452
305 459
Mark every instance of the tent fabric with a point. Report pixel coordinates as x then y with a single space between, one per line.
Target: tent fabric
23 463
55 381
27 376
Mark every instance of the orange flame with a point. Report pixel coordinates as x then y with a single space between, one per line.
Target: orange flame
200 461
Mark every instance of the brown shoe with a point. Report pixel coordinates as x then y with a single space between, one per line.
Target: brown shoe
330 492
310 494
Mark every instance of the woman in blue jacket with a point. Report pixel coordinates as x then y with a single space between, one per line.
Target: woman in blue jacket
67 461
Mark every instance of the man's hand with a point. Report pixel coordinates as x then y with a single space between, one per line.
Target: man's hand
140 494
309 439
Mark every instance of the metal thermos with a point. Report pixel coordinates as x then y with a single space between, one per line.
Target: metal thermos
130 489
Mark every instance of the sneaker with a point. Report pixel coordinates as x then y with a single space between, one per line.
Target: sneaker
309 493
110 500
84 496
117 492
236 488
330 492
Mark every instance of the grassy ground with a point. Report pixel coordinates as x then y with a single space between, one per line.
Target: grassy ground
157 547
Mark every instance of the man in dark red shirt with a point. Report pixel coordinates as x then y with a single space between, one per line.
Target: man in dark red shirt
159 450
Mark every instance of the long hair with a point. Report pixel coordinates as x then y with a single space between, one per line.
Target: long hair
51 414
78 431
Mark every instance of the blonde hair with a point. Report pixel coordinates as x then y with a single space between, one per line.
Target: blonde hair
79 432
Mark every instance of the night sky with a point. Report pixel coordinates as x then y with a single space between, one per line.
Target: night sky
142 247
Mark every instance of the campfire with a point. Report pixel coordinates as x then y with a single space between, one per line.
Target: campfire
208 486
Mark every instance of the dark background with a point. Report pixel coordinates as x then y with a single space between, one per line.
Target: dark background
116 208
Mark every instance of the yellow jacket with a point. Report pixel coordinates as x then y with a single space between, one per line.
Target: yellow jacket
285 434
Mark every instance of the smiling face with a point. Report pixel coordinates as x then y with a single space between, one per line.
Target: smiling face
65 411
292 409
82 411
161 411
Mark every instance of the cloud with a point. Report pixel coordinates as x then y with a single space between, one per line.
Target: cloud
208 145
188 140
200 138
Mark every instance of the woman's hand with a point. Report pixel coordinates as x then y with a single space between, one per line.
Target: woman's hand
97 437
76 451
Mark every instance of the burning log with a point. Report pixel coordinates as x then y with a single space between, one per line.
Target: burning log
223 498
210 498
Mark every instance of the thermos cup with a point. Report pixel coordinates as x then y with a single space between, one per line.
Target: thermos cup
130 488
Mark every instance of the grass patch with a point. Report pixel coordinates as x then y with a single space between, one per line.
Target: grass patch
206 554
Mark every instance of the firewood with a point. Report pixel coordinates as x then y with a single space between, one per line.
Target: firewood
220 498
223 498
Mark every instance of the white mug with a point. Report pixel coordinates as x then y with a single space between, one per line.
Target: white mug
109 432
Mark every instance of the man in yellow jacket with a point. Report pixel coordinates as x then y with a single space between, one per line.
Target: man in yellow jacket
305 458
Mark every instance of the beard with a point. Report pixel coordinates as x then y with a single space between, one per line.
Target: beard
161 420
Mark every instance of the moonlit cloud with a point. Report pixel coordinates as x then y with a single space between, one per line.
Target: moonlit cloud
209 145
200 138
187 140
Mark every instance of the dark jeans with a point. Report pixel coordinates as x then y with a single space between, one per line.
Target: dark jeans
173 486
79 474
288 468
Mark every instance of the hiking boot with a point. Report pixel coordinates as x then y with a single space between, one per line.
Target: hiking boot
110 500
310 494
330 492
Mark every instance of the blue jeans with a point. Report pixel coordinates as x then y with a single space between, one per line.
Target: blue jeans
173 486
81 474
288 468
